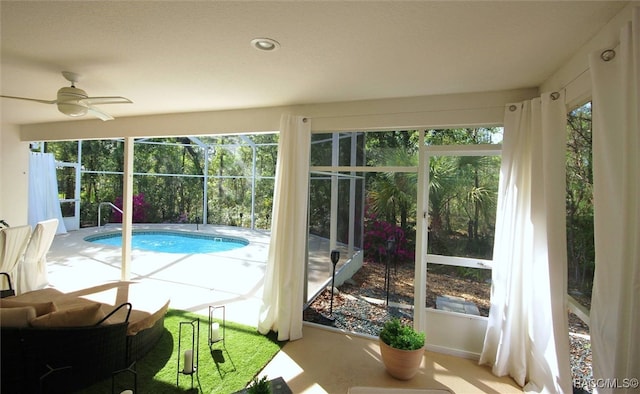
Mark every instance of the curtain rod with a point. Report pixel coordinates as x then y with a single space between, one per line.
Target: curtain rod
404 112
606 55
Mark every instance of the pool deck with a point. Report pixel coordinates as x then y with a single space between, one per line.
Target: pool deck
192 282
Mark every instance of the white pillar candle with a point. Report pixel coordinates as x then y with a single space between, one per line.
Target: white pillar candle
215 331
188 361
127 392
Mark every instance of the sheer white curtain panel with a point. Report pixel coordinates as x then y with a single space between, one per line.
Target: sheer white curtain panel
282 301
527 334
43 191
615 303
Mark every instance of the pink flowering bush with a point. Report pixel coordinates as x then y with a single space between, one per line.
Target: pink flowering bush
139 209
376 234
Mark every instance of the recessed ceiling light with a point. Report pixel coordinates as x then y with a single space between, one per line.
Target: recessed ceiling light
265 44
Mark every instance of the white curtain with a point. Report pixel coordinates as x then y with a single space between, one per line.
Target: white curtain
527 333
43 191
615 304
281 309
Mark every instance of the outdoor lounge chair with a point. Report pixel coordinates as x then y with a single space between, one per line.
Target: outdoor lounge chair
10 291
62 359
56 342
14 242
32 270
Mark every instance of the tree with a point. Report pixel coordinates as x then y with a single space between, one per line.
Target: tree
462 194
392 195
579 204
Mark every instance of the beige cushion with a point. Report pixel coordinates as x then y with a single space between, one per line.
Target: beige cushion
17 317
382 390
86 315
41 308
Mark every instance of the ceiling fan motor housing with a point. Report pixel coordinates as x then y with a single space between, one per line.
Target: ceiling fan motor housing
69 101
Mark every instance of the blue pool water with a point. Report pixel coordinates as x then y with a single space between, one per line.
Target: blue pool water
172 242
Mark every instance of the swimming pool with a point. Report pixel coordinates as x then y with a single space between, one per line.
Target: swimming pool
172 241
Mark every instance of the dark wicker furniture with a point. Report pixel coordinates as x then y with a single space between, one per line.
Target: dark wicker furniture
60 360
66 359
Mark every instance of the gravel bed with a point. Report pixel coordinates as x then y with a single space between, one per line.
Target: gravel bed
353 314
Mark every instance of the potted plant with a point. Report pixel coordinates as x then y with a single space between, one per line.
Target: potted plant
259 386
401 348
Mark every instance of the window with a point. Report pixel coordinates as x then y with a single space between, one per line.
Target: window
580 244
213 179
463 178
368 181
363 192
67 178
580 241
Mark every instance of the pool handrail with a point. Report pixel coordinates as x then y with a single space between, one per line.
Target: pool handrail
109 204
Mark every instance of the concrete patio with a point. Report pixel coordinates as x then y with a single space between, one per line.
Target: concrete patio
191 281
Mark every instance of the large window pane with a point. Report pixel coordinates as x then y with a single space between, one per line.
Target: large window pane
464 136
66 183
320 206
363 210
68 209
580 244
580 241
462 205
372 148
459 289
464 171
169 178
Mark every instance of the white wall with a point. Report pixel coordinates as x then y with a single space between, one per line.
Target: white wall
574 74
14 178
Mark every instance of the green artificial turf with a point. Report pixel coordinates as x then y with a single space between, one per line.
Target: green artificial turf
226 369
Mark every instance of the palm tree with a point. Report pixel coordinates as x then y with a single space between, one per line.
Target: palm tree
393 194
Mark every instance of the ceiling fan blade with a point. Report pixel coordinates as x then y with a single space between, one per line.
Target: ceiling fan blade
99 114
31 99
105 100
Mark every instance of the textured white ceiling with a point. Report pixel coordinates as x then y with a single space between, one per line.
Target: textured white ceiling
181 56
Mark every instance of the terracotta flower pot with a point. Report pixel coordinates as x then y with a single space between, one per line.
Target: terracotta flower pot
401 364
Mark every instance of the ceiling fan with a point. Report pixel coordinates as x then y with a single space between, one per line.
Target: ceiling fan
74 102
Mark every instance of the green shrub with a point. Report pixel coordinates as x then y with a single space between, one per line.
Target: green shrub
259 386
401 336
